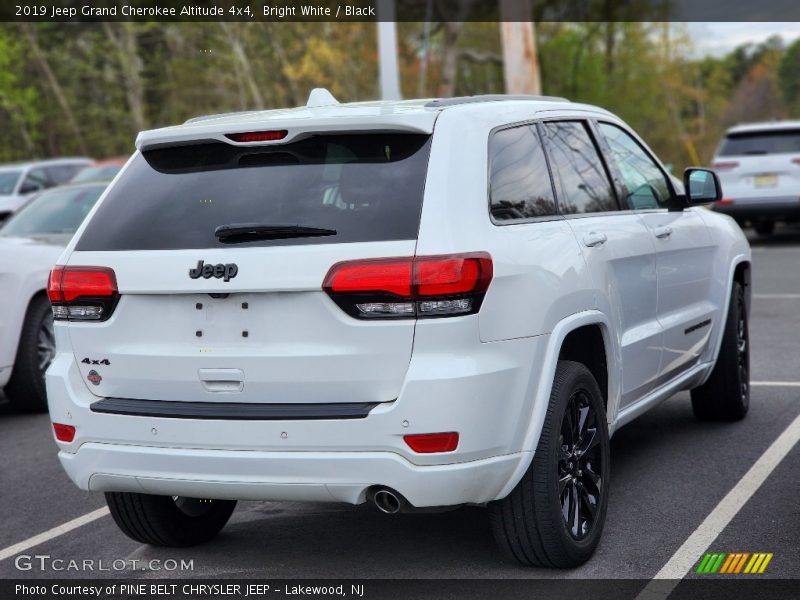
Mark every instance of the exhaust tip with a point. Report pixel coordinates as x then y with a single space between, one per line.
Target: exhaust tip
386 501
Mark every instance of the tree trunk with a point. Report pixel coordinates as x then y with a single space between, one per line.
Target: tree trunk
520 60
55 86
241 58
123 38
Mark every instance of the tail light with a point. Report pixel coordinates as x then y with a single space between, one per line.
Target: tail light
796 161
64 433
257 136
725 201
412 287
723 166
82 293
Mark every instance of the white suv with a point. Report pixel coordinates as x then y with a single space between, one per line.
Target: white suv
414 304
759 167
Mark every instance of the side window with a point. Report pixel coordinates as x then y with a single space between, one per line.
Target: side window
645 183
585 187
520 186
61 173
35 180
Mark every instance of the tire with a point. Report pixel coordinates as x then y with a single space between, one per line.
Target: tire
725 396
168 520
764 227
25 389
529 524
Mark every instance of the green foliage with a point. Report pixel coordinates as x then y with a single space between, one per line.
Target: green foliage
19 102
789 76
90 87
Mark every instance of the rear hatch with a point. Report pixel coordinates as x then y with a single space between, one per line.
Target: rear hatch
760 164
220 251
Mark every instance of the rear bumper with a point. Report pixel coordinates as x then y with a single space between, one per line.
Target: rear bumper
293 476
484 393
773 208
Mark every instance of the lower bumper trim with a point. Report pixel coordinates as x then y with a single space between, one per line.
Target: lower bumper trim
168 409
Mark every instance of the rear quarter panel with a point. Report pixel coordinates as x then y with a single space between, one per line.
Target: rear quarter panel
540 276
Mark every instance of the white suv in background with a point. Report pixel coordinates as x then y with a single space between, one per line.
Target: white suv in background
414 304
18 181
759 167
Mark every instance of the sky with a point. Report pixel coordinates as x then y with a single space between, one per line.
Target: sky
719 38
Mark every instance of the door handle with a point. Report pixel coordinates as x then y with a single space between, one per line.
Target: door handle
221 380
592 240
663 233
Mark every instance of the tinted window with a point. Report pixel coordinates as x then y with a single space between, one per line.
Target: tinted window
785 141
55 211
366 187
645 183
101 173
573 156
34 181
61 173
520 181
8 181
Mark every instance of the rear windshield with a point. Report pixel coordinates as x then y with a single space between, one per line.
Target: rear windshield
785 141
366 187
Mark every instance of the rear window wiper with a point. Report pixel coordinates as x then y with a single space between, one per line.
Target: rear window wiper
237 233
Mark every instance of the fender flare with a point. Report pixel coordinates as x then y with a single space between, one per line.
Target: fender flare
541 389
725 305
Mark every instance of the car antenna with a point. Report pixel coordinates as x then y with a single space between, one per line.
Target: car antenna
321 97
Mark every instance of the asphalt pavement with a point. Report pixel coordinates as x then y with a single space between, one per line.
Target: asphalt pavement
668 473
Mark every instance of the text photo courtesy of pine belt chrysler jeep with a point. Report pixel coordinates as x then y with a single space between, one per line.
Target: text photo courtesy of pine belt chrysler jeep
417 304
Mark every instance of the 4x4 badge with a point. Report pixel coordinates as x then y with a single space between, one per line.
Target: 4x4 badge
220 271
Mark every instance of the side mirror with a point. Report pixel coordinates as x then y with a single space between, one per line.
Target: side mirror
702 186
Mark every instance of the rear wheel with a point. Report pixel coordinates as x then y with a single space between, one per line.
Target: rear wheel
26 390
726 394
168 520
554 516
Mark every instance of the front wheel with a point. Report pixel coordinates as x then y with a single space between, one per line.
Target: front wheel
168 520
554 516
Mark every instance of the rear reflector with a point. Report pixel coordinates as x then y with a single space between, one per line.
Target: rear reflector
64 433
422 286
257 136
725 201
725 165
428 443
82 293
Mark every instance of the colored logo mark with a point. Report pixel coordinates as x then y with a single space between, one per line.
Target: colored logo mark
734 563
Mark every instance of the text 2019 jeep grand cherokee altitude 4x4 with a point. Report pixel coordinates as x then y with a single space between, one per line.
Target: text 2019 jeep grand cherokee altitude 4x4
416 304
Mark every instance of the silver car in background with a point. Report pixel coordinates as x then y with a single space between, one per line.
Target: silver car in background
19 180
759 167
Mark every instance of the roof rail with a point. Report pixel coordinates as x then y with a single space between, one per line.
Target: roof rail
217 116
444 102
